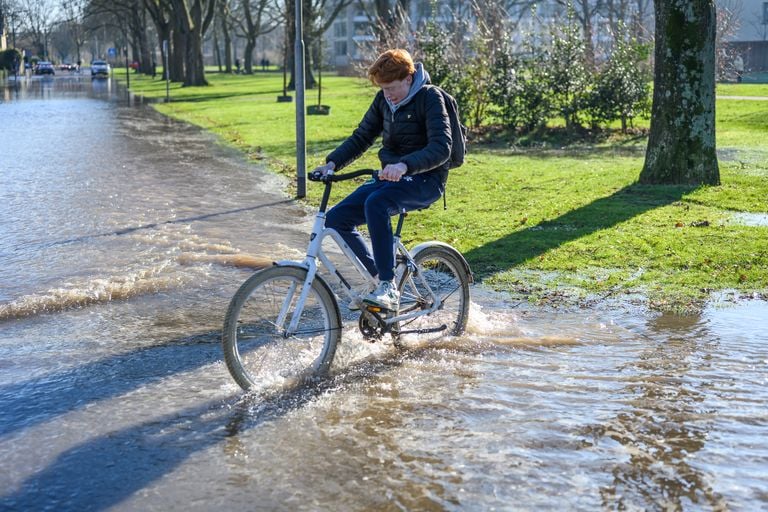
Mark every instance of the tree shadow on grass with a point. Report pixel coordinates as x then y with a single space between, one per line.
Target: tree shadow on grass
519 246
181 95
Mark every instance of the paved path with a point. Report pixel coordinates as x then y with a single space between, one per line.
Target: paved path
756 98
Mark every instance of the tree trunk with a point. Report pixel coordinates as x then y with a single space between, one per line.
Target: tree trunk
681 146
192 20
224 20
195 72
228 59
217 50
250 44
176 59
145 53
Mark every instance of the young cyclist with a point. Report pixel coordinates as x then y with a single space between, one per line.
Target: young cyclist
416 145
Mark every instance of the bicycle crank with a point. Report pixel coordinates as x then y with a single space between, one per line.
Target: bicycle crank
371 326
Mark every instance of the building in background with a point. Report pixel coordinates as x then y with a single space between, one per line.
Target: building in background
747 43
349 39
752 20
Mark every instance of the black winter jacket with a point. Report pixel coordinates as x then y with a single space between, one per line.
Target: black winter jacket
418 134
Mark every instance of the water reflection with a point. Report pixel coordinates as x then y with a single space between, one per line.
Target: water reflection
50 87
665 424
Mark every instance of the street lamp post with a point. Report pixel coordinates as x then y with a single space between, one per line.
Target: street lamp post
127 74
301 147
166 73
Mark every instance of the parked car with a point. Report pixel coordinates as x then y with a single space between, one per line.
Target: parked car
44 68
99 68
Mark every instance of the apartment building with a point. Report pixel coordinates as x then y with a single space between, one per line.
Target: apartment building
348 40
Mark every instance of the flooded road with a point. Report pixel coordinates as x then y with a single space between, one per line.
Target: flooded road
123 236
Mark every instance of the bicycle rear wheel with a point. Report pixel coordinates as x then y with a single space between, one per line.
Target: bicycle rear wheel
259 351
441 269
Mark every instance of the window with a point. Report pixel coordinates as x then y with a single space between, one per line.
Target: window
340 48
340 29
363 28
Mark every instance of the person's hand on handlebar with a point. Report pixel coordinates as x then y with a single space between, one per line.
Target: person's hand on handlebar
393 172
322 171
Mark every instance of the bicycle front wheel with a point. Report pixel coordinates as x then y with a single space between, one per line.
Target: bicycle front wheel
442 276
260 349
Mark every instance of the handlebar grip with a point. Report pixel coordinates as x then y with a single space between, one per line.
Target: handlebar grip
316 176
325 178
350 175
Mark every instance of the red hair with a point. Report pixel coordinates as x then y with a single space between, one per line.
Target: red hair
390 66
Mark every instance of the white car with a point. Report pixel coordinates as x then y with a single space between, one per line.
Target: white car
99 68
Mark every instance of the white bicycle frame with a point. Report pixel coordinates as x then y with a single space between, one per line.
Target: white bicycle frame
315 252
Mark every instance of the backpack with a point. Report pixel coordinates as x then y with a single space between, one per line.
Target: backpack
458 130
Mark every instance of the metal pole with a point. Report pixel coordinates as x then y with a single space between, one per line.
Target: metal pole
127 75
166 72
301 142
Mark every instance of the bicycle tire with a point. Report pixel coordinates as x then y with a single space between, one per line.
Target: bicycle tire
448 275
258 353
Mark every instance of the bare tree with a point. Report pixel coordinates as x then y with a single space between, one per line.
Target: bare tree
128 20
160 11
224 17
388 18
258 17
585 11
318 16
74 14
10 18
38 18
728 22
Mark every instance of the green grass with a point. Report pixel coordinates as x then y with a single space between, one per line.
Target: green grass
742 89
548 224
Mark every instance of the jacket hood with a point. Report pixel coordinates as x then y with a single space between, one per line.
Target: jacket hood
420 79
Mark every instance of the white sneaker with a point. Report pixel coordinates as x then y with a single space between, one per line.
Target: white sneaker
384 296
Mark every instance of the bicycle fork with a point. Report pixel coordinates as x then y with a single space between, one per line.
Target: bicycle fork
310 263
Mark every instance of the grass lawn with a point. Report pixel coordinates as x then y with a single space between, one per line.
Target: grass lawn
551 224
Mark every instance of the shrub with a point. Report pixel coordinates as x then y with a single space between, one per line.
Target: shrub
621 89
7 59
567 76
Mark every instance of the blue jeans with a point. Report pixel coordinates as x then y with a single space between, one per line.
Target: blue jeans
373 203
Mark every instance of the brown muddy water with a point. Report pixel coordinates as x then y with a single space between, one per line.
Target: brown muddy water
123 236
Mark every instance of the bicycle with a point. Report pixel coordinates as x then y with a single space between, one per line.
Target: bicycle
284 322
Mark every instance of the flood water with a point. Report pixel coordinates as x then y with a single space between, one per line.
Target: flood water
123 236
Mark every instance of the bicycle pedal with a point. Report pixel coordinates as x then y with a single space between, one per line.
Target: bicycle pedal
379 309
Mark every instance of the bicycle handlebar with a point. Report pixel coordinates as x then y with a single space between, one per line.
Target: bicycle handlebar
332 178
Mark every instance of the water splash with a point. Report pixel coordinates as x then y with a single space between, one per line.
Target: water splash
94 291
231 260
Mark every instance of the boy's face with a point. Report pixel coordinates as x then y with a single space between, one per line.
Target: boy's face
397 90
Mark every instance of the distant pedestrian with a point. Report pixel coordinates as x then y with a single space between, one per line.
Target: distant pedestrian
237 66
154 68
738 66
